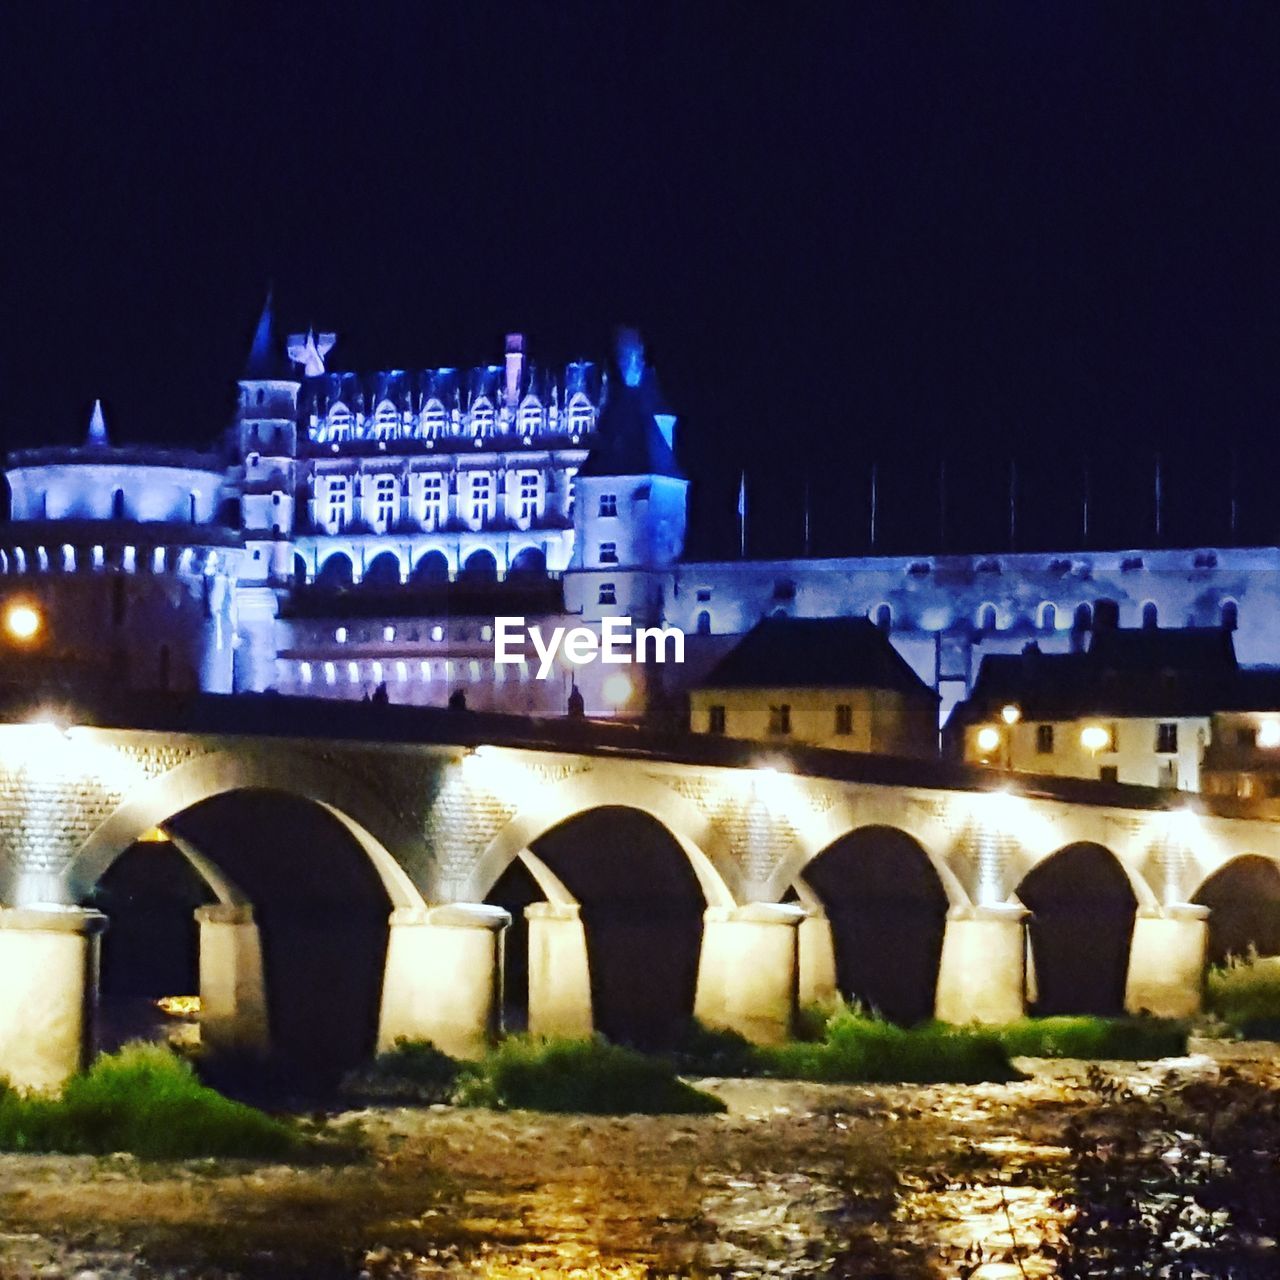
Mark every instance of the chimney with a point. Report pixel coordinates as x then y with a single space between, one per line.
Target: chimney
515 366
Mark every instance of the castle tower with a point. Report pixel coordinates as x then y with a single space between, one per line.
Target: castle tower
266 446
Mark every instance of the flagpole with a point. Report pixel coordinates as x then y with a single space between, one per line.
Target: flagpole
742 516
1013 504
1084 517
1159 498
807 543
873 506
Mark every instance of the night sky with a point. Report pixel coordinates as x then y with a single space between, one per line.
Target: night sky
917 233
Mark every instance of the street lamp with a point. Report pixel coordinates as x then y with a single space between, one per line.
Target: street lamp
1093 738
22 621
1011 713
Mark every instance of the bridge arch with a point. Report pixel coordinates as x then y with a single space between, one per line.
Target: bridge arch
1080 930
887 905
709 856
156 802
1243 897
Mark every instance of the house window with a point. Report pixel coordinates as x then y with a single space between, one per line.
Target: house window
715 719
384 502
608 504
844 719
608 553
338 495
1109 773
529 495
481 498
1044 739
780 719
1167 739
433 501
608 593
1247 737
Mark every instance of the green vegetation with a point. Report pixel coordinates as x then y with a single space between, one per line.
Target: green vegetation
412 1071
1245 994
589 1076
144 1100
1134 1039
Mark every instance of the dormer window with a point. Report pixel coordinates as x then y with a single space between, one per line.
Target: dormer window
608 504
530 417
386 421
579 415
434 419
482 418
339 424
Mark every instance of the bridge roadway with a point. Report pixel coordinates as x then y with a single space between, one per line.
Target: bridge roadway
572 876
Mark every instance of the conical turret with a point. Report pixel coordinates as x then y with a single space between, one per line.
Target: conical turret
97 436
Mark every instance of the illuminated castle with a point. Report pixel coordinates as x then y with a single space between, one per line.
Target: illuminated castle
358 531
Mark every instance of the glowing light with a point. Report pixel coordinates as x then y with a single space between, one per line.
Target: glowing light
1093 737
1269 733
1011 713
988 738
153 835
22 622
616 689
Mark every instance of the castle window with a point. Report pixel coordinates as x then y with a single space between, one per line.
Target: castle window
884 618
1048 617
580 415
117 505
339 423
608 504
1044 739
844 719
1083 618
340 635
1230 615
571 493
433 419
530 494
780 718
608 593
481 497
388 634
1150 615
433 501
386 421
702 624
530 417
1167 739
703 595
482 418
437 633
385 501
715 719
191 506
338 503
987 618
608 553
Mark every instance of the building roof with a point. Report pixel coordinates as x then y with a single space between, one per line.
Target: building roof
1188 671
267 361
815 653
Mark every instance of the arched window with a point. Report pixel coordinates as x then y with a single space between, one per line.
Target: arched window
1150 616
117 505
1083 620
336 571
480 566
702 624
1048 617
432 567
987 617
1230 615
883 618
1106 613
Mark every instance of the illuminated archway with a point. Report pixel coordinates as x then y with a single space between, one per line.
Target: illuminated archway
1243 898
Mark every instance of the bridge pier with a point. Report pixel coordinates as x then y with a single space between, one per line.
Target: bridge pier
233 994
982 971
1167 960
817 961
443 976
748 972
559 974
49 963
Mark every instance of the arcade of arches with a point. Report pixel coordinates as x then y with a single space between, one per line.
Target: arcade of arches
296 906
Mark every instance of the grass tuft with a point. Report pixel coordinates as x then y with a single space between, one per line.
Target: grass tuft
412 1071
1131 1039
1245 994
144 1100
586 1076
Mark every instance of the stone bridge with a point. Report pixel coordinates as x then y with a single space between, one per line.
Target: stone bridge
374 872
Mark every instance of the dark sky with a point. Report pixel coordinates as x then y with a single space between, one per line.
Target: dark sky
911 232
